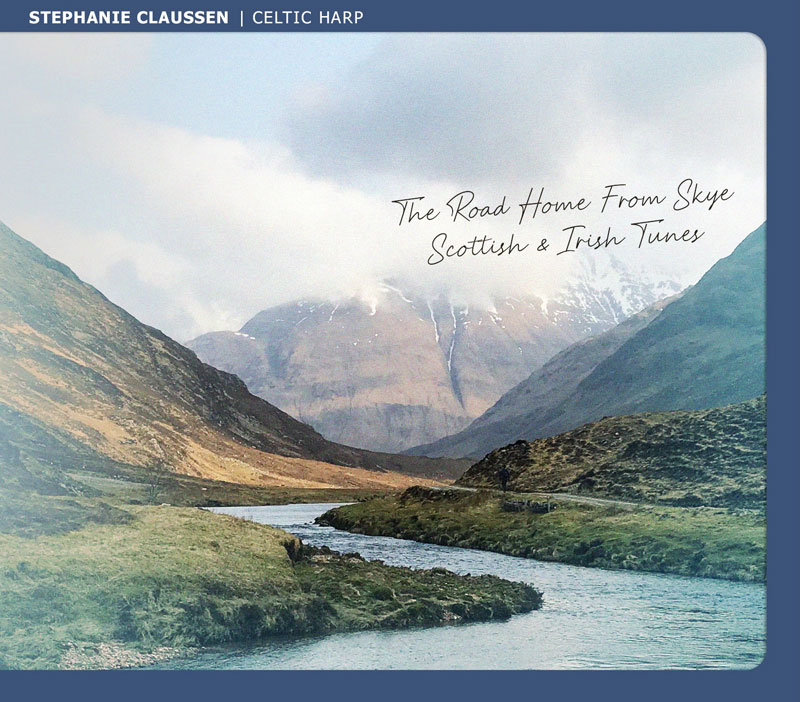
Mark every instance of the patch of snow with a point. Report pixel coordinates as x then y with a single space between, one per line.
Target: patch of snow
452 341
433 319
399 292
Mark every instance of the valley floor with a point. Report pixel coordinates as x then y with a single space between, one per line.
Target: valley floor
97 583
702 541
189 491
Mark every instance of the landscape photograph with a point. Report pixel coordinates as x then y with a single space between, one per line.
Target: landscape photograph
379 351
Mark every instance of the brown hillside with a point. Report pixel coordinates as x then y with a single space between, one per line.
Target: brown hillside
82 381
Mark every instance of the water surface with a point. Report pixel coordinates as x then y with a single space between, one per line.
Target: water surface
591 618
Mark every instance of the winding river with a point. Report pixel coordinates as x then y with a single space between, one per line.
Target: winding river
591 618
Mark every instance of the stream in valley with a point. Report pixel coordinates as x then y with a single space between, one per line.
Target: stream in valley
591 618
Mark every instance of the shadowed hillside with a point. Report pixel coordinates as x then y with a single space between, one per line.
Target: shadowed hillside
714 457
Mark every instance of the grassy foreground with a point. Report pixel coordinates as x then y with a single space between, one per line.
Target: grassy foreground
704 542
123 585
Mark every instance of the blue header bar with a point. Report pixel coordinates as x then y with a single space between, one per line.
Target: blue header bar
371 16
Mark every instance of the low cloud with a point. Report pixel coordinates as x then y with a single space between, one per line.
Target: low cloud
193 232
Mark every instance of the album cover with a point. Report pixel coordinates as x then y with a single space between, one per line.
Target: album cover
370 350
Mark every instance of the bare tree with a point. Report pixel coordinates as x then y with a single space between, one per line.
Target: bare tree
157 475
157 478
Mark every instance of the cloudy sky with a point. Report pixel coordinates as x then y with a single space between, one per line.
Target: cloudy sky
196 179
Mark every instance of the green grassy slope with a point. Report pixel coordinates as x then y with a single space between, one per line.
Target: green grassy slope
704 542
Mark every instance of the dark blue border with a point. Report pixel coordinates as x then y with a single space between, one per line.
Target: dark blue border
777 23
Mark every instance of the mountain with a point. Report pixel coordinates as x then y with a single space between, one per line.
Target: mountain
83 383
713 457
704 349
532 402
403 368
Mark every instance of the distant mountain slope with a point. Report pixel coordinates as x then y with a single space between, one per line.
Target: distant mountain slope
82 380
712 457
404 369
383 375
705 349
537 398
